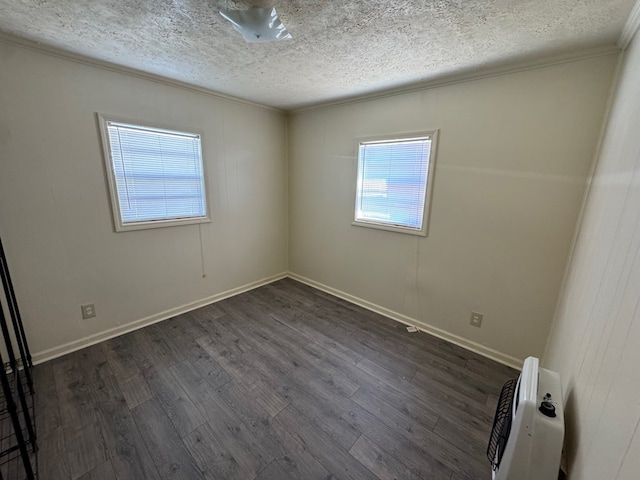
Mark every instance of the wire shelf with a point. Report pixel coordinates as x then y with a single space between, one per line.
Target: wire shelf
18 458
11 463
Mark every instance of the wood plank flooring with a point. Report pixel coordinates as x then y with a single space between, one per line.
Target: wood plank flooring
283 382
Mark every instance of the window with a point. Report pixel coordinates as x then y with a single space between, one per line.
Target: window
156 176
394 182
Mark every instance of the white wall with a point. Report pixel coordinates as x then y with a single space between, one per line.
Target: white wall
595 343
513 157
55 217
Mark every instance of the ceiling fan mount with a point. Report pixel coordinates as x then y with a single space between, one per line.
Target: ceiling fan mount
257 24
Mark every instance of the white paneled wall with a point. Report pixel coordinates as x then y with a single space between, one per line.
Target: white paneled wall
595 343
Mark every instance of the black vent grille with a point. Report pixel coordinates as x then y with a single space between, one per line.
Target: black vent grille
501 424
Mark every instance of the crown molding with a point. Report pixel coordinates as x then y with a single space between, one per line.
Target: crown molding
631 27
441 81
467 76
83 59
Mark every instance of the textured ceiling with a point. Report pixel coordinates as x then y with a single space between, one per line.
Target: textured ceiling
339 48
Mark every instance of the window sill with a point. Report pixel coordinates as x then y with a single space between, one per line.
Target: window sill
390 228
161 223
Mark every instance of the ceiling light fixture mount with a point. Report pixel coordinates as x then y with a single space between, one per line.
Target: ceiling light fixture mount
257 24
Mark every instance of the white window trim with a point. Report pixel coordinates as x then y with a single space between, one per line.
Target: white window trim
426 215
113 191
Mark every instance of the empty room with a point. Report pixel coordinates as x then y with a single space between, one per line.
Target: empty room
320 240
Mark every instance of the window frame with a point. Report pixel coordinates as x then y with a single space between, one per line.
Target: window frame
426 214
121 226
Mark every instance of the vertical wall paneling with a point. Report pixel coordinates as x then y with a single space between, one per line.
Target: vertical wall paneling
595 343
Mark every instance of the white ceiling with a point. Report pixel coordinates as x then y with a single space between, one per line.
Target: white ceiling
339 49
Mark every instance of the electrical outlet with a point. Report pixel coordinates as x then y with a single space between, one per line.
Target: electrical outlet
88 310
476 319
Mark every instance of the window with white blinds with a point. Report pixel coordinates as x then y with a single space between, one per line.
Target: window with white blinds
156 175
393 183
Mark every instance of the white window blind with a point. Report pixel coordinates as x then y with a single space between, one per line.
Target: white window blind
157 174
392 183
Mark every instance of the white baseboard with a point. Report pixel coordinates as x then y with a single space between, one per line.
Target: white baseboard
55 352
51 353
425 327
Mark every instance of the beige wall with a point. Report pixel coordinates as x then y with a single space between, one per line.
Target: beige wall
595 343
513 157
55 216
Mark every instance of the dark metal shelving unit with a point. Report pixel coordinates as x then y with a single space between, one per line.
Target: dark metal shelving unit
18 447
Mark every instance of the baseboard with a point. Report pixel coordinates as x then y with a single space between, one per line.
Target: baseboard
425 327
50 354
55 352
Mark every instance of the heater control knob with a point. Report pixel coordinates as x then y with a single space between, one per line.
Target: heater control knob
547 408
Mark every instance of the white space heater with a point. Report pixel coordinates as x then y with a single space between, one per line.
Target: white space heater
528 429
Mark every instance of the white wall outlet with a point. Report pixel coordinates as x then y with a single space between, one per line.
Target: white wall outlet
476 319
88 310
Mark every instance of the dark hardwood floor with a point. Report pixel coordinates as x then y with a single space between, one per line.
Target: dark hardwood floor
283 382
